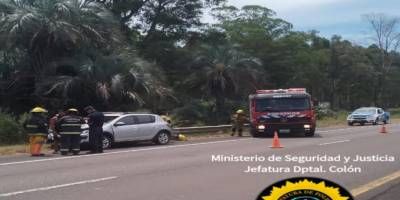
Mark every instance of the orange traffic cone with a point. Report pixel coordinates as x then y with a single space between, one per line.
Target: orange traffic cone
275 142
32 149
38 148
36 143
383 129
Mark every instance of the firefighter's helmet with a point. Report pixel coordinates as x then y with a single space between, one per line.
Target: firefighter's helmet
239 111
38 110
72 110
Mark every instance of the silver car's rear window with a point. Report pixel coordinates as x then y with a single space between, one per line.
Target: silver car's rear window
144 119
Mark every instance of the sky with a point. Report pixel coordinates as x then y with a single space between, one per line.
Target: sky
329 17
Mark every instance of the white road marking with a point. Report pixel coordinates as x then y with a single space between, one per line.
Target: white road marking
335 142
121 152
57 186
342 129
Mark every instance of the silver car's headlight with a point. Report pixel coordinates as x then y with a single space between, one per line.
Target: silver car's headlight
349 117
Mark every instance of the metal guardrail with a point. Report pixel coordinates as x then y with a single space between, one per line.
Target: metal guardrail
201 129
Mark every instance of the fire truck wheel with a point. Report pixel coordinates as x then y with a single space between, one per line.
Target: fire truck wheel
254 133
310 134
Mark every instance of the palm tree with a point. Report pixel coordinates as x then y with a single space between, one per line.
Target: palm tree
80 81
75 53
223 71
49 29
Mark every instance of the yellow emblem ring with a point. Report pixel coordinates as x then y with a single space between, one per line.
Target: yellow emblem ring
304 188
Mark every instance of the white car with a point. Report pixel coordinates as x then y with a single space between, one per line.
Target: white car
365 115
123 127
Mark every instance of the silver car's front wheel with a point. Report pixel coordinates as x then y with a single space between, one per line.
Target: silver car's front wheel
162 137
106 142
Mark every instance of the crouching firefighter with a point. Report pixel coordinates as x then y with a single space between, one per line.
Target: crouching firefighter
36 128
69 127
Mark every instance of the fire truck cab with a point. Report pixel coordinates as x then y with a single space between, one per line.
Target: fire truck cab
286 111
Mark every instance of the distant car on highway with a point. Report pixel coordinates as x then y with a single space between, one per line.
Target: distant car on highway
365 115
124 127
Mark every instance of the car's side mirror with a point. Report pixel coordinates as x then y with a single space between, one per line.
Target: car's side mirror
120 124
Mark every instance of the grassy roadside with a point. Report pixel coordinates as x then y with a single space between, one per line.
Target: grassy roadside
338 120
18 149
13 149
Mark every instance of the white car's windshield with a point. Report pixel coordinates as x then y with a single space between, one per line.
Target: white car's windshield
365 111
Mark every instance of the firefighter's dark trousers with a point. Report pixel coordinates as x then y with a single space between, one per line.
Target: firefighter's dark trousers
238 127
70 142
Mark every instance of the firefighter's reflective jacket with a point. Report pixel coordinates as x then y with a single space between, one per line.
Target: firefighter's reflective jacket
36 125
239 119
69 124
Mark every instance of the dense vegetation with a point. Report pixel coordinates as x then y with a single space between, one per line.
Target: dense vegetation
10 130
156 55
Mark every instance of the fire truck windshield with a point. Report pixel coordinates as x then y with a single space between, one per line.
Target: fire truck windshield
282 104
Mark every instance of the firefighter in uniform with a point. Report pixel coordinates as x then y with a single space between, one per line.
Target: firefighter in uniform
56 135
36 128
95 121
69 127
238 120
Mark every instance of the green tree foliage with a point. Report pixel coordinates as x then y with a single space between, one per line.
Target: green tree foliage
10 130
223 72
157 55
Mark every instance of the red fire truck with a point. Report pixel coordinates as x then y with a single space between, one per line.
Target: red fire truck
286 111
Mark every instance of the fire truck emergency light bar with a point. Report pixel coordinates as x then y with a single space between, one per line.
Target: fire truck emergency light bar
290 90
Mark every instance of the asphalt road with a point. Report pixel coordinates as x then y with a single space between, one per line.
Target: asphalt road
184 170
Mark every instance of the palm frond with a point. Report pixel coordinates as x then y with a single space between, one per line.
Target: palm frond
57 86
134 96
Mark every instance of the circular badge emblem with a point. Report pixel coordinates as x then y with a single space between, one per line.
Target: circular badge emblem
305 188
